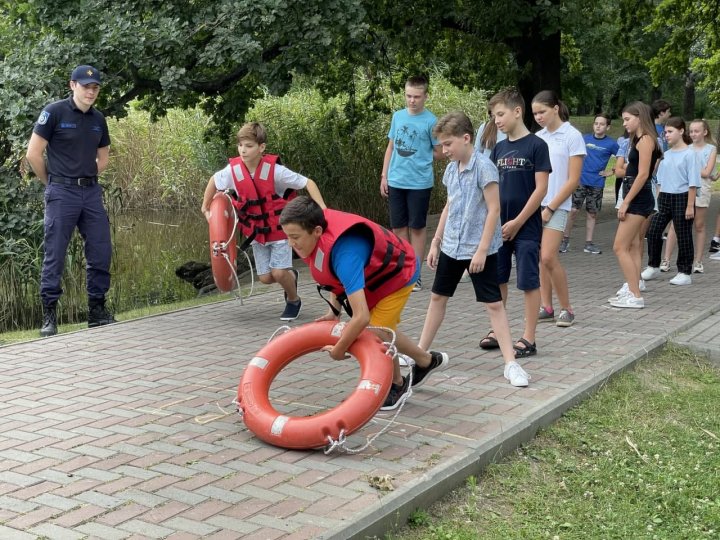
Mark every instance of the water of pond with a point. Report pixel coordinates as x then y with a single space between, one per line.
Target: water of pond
148 247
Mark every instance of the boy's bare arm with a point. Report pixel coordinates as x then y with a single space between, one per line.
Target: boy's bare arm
541 186
359 321
386 167
210 192
315 194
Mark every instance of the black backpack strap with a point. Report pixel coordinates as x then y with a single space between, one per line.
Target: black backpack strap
342 298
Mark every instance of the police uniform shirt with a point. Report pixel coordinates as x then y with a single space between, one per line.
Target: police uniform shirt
73 138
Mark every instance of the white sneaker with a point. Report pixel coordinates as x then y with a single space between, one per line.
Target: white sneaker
515 374
664 265
641 285
681 279
622 291
698 268
629 301
715 256
651 272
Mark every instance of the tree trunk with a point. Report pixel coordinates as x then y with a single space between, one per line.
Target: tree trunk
538 57
689 96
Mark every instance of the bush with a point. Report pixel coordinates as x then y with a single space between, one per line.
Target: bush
162 164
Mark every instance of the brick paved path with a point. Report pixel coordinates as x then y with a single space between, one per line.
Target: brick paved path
128 431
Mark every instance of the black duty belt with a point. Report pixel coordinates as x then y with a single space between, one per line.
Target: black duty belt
81 182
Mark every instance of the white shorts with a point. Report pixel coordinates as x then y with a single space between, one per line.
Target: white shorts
558 220
703 197
273 255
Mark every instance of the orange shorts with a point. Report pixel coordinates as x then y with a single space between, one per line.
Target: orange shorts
387 311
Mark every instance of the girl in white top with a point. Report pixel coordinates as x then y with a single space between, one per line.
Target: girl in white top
567 151
488 136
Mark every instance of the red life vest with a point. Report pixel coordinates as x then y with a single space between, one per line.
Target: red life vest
392 261
258 205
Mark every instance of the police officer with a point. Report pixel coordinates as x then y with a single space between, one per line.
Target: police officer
75 137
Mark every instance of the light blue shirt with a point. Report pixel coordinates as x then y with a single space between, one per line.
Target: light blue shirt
703 154
678 171
413 143
467 210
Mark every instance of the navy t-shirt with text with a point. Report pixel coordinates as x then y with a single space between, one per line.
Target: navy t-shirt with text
517 162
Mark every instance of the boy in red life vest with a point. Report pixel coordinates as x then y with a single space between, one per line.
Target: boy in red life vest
369 271
263 188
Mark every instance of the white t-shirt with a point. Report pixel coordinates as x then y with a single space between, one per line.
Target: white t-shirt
563 143
284 179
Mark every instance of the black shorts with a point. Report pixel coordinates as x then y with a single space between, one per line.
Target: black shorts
644 202
408 207
449 271
527 258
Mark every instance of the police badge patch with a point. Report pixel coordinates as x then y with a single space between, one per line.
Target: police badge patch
42 120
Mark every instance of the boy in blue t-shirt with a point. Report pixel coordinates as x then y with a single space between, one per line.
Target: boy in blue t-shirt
523 162
407 175
600 148
468 237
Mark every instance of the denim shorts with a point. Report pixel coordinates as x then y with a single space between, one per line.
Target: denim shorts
557 221
644 202
277 255
527 258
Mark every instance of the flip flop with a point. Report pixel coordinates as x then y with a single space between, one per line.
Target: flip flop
489 342
528 349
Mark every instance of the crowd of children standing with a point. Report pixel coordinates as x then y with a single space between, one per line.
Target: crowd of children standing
512 199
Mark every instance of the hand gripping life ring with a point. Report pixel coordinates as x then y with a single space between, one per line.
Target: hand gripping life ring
306 432
223 248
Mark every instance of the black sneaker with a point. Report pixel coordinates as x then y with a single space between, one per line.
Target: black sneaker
99 316
297 279
418 285
49 325
714 246
398 394
292 311
439 360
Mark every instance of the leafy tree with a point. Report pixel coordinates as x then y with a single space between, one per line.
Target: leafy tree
169 53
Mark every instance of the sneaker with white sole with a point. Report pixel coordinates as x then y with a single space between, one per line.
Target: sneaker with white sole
546 316
418 286
642 286
438 361
565 319
515 374
564 245
664 265
397 395
291 311
681 279
651 272
629 301
714 246
698 268
592 248
625 290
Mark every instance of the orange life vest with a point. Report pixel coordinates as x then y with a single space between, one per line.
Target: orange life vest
391 266
258 204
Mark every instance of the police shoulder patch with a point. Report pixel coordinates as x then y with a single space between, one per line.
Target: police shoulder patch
43 118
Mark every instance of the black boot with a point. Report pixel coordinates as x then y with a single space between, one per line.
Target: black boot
49 325
98 315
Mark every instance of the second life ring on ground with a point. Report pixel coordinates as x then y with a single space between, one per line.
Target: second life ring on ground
223 247
306 432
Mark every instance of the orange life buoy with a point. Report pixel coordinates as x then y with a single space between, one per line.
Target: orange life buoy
223 247
306 432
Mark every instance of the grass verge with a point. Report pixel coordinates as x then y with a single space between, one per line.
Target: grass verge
640 459
8 338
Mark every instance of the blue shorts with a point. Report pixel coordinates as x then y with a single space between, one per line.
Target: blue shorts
408 207
527 259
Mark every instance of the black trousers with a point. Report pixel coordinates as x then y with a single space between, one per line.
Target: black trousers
671 207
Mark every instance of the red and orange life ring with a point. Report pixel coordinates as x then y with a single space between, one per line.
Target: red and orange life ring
306 432
223 247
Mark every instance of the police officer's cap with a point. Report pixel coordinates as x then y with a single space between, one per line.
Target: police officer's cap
85 75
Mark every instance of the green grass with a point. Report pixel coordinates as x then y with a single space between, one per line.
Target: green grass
639 459
8 338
